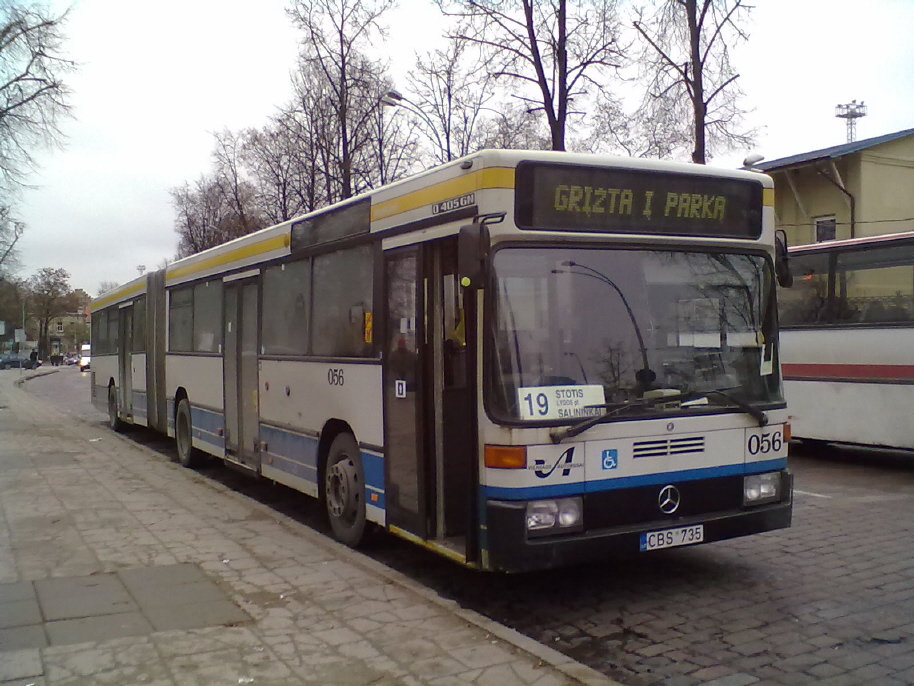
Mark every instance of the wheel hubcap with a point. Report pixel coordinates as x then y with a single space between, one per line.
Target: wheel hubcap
341 489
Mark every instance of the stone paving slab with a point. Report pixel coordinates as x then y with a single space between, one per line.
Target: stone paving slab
104 535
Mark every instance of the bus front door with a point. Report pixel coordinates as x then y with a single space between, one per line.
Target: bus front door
429 408
241 375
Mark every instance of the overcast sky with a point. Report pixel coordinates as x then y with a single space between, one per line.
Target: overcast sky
157 79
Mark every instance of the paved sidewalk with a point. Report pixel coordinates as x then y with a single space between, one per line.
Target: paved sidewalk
119 567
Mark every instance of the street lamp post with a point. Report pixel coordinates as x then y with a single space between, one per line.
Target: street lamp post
395 99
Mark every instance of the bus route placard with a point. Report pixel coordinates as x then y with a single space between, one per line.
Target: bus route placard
607 200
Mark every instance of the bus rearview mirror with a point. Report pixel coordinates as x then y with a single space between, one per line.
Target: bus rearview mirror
472 251
782 260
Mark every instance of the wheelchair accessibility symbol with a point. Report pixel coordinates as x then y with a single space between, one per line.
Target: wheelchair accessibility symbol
610 458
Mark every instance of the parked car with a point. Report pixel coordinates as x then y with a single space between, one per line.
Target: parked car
14 360
85 358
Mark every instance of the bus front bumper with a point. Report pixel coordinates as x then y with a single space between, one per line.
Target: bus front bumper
510 550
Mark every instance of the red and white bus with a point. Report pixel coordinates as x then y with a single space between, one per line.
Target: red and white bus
847 341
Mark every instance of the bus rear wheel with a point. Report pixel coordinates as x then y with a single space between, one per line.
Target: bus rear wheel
114 420
344 490
188 456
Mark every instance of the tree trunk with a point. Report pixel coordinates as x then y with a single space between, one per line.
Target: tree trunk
698 90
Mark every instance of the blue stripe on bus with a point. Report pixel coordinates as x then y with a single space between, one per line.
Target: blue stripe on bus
208 426
579 487
139 403
373 466
296 454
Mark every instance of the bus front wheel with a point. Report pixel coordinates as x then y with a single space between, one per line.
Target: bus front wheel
114 420
188 456
344 490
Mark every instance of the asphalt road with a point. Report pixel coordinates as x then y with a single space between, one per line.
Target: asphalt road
830 600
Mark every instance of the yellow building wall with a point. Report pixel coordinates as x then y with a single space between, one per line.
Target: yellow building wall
886 202
880 178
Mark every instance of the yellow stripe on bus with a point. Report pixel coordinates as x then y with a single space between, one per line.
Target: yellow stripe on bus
264 246
431 545
490 177
117 295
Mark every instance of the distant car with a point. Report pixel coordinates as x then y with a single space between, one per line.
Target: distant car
85 358
72 359
14 360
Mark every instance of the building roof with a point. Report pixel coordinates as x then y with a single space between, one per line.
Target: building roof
832 152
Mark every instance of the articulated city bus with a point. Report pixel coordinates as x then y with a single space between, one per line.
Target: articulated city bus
848 341
518 359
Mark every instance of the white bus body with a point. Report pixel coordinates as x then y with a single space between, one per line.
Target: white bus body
847 341
424 357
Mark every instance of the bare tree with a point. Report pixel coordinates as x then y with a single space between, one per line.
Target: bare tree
203 218
660 134
10 232
51 297
393 152
12 309
516 128
106 286
307 124
556 50
336 35
33 96
279 171
237 192
449 90
692 80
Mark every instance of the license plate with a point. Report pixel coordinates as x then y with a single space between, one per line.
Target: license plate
670 538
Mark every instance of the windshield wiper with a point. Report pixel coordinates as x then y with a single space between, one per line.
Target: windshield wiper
560 435
614 409
752 411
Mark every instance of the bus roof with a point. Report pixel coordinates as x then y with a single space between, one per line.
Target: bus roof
395 200
850 242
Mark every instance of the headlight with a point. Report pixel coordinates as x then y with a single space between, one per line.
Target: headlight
545 517
761 488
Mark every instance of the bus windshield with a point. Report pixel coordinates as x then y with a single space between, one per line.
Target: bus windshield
578 331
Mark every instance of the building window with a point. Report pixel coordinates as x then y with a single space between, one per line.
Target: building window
825 228
59 327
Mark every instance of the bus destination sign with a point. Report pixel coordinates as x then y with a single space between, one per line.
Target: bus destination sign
599 199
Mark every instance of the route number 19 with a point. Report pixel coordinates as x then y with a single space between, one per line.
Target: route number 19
541 404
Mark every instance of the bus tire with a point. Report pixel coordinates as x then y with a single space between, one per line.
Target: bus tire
344 490
188 456
114 420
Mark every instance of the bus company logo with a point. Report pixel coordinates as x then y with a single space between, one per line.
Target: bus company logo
668 500
452 204
566 460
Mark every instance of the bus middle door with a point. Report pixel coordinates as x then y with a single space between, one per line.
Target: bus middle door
241 375
125 360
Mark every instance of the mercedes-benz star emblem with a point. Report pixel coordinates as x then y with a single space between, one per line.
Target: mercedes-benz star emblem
668 500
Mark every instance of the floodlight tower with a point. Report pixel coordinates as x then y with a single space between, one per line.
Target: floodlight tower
852 112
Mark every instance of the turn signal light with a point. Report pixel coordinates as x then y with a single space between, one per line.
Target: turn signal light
787 435
506 456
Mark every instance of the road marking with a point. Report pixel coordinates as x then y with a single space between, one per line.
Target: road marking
814 495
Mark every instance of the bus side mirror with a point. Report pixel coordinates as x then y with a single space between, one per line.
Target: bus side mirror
472 252
782 259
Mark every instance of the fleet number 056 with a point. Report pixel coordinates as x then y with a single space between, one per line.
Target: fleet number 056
760 444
